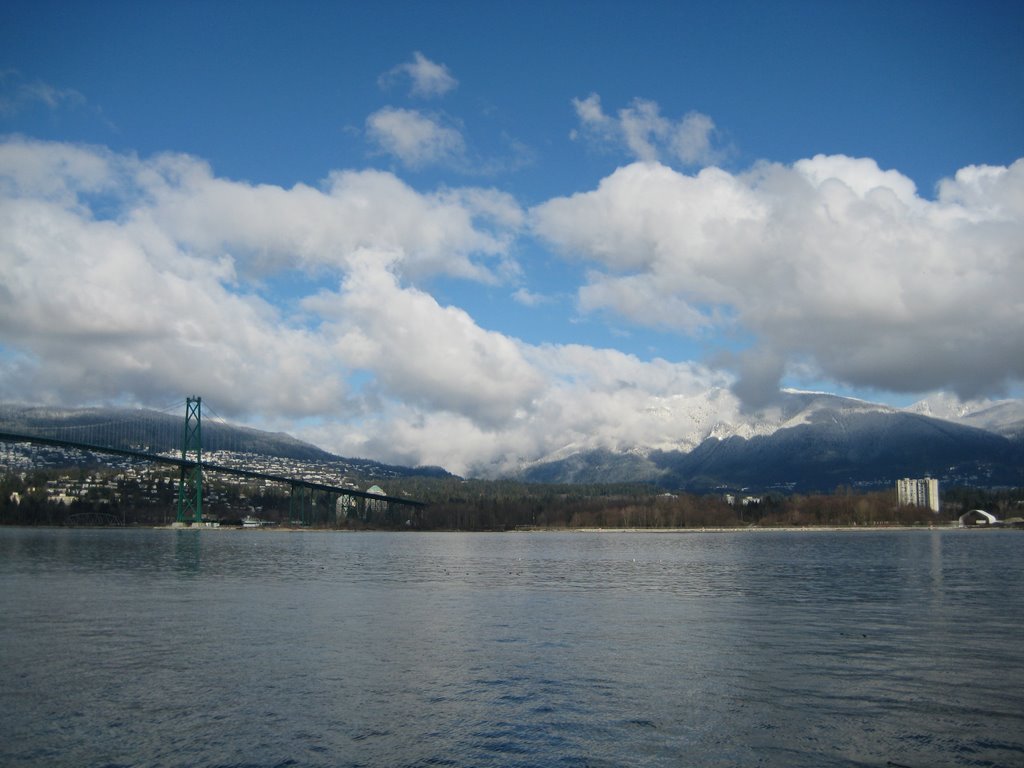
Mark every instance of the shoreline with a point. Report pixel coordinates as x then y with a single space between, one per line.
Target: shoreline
539 530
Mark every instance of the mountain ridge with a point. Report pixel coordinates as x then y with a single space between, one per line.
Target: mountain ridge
158 432
817 441
806 440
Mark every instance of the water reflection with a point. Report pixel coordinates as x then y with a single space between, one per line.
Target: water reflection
186 546
935 571
772 648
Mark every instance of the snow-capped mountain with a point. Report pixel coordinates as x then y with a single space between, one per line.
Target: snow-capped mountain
816 440
1004 417
805 441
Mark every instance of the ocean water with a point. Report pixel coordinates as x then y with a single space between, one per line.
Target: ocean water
252 648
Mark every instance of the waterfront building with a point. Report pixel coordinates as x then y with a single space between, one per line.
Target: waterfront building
918 492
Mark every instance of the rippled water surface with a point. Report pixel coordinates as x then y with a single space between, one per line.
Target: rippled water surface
246 648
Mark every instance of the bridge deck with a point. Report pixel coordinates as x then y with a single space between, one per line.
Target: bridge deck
13 437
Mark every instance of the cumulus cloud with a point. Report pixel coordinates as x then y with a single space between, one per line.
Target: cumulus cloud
128 277
424 354
427 79
419 140
141 278
100 310
415 139
831 262
646 134
266 228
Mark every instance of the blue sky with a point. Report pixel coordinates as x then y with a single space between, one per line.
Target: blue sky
574 207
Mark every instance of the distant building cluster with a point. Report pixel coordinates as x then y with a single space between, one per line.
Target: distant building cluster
918 492
745 501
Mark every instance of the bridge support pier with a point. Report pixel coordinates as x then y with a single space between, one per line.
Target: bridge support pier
297 505
190 483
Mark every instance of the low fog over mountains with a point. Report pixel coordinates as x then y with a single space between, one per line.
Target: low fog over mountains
808 441
819 441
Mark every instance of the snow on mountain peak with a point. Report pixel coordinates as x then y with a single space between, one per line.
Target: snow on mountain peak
1004 417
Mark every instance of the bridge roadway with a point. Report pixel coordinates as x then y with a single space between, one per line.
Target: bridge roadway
13 437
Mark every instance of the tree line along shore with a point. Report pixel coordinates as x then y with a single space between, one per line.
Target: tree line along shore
98 496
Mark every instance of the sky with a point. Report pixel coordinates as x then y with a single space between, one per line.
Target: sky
480 234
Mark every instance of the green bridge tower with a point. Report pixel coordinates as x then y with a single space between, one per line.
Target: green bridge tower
190 485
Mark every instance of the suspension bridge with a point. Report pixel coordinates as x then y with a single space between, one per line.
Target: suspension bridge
142 435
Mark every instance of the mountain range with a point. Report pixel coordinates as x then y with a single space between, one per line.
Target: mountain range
807 441
819 441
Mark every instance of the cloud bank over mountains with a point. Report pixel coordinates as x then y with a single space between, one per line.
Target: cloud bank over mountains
127 278
830 262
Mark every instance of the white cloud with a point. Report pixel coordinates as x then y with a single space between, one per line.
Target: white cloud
590 398
269 228
422 353
18 94
529 298
123 277
985 192
419 140
57 172
101 310
141 278
591 113
427 78
690 140
643 301
831 260
415 139
646 134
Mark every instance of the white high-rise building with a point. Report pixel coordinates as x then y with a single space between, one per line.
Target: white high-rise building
918 492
